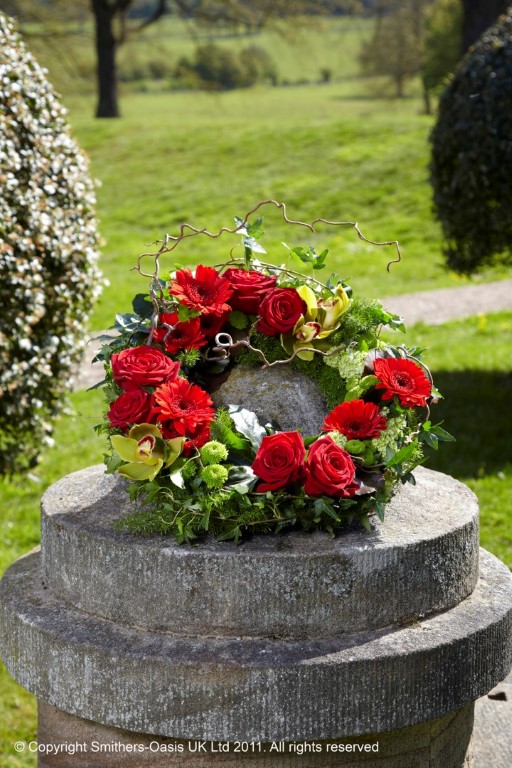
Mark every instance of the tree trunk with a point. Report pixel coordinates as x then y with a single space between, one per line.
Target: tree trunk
427 102
477 16
106 46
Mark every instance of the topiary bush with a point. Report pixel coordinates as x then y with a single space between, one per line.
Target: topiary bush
48 241
471 164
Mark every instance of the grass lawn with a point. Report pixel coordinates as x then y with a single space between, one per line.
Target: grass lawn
341 150
203 158
471 364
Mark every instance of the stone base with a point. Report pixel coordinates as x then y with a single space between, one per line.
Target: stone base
441 743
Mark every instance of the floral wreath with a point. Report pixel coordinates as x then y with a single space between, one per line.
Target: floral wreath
201 468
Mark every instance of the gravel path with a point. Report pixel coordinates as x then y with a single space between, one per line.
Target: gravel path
431 307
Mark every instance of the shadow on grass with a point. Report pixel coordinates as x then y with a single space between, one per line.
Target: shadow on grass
476 410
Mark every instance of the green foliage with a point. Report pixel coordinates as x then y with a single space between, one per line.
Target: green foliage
443 42
48 241
396 47
471 161
216 67
228 515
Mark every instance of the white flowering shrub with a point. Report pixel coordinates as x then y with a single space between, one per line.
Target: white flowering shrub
48 253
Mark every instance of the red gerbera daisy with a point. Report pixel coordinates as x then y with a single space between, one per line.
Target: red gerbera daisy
356 420
184 335
211 325
403 378
205 291
197 439
186 405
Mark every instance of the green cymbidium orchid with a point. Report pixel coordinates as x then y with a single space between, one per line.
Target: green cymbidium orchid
323 316
146 451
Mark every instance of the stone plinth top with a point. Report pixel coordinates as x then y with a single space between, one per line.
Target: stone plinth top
422 559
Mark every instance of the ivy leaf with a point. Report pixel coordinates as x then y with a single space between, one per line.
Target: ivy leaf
241 479
252 245
255 229
112 464
442 435
127 322
365 522
405 452
246 422
142 305
324 506
361 387
430 439
379 508
177 479
185 313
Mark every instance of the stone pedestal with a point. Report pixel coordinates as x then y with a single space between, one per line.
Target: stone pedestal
368 639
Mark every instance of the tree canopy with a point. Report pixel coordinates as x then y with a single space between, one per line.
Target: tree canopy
471 164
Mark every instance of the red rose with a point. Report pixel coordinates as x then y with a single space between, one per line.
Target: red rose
142 367
130 408
279 311
356 420
186 405
184 335
249 289
330 470
279 461
205 291
402 377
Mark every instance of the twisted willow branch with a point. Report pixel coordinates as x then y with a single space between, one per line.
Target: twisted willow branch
171 242
228 346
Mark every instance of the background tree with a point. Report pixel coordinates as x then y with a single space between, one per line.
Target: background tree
478 15
396 46
115 19
471 164
442 44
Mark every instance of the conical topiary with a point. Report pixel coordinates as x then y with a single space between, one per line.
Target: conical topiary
48 253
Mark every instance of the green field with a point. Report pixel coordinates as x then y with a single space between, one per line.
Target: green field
341 150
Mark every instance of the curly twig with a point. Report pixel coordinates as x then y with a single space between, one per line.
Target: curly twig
187 230
229 346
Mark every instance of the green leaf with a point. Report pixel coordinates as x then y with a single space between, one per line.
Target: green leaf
252 245
238 320
379 508
405 452
365 522
246 422
112 464
355 392
177 479
127 322
185 313
430 439
255 229
324 506
141 305
442 435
